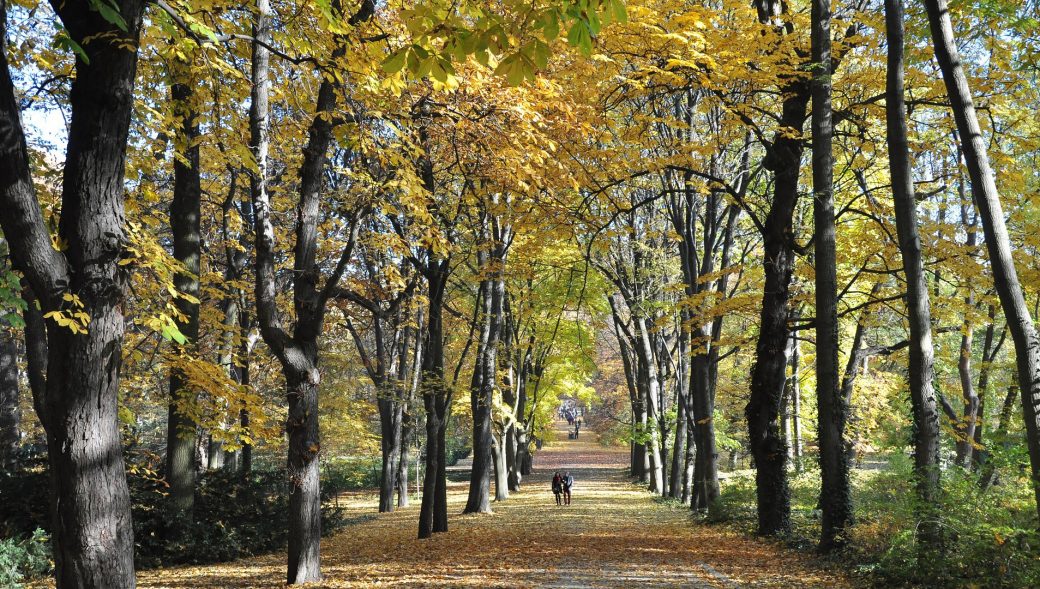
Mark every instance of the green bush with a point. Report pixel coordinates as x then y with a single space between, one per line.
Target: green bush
25 559
235 515
989 537
349 474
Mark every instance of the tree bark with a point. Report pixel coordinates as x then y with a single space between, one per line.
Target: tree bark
10 414
990 348
835 493
922 395
970 413
390 421
93 538
433 513
675 484
998 244
652 392
481 391
185 225
769 372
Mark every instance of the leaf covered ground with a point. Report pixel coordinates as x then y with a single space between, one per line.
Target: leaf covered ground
613 535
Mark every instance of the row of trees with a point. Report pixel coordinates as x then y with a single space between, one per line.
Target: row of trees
455 201
721 142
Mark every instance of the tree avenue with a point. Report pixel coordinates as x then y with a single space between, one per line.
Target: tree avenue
255 255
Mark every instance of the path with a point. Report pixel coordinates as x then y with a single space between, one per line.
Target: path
613 535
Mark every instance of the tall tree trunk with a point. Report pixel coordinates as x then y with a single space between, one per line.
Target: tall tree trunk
970 413
498 456
835 494
651 388
922 395
998 244
407 431
10 415
433 513
215 454
481 391
675 485
304 562
989 353
390 422
93 537
769 373
185 224
246 460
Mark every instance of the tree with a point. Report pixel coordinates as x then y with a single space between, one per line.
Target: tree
835 492
922 395
185 224
984 190
10 413
78 285
298 351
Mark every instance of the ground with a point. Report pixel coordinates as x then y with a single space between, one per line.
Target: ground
614 534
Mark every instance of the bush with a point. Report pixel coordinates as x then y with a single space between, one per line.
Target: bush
235 515
349 474
25 559
989 536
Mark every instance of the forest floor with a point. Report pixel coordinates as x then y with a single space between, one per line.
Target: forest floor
614 534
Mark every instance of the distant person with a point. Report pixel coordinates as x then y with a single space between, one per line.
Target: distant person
568 482
557 487
577 429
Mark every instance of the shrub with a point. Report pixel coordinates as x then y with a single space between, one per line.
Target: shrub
349 474
235 515
25 559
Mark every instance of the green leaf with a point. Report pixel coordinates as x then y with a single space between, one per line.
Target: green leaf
395 61
551 30
620 13
579 37
110 12
63 41
170 332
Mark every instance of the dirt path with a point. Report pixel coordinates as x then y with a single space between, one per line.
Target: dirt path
613 535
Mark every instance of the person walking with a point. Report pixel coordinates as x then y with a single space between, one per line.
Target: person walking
557 487
568 482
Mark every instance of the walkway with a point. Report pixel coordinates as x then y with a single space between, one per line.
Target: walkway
613 535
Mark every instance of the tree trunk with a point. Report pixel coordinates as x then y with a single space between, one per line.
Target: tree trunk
651 392
705 470
970 413
998 244
481 392
215 454
10 415
989 352
922 395
390 416
185 225
835 494
305 500
406 457
433 513
796 405
501 470
679 443
769 373
93 537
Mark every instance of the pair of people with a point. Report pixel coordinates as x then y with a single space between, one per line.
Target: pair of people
561 486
